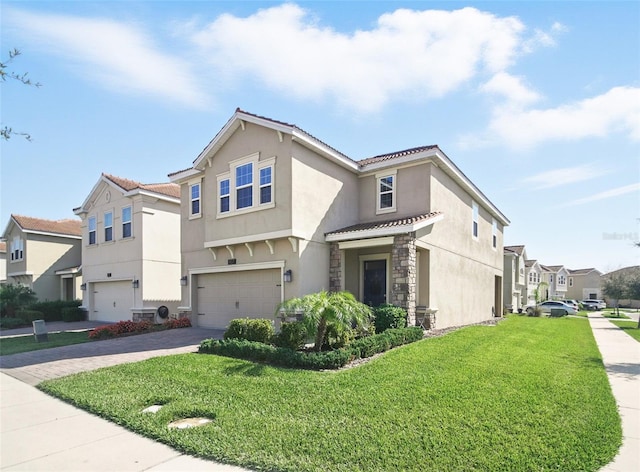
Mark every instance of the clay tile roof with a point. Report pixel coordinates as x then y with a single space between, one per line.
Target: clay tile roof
70 227
3 246
394 155
386 224
168 189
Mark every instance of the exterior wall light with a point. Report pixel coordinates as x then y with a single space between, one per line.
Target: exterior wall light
183 281
288 276
83 286
135 283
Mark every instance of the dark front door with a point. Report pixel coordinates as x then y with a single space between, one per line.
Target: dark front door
375 282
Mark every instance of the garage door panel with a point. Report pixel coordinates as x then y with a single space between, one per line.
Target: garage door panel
226 296
112 301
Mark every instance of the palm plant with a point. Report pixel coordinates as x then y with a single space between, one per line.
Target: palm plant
340 309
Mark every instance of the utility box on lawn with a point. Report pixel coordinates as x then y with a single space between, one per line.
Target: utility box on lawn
557 312
40 331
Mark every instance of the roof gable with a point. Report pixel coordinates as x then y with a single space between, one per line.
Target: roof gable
66 227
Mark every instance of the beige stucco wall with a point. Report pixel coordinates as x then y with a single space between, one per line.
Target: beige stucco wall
583 285
43 255
3 267
151 255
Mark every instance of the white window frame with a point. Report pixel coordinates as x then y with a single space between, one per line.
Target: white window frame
475 220
109 212
129 222
562 280
244 186
192 185
379 193
94 231
570 281
261 185
230 175
17 249
226 195
494 233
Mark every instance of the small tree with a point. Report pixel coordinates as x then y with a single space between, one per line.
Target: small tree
320 309
14 298
614 286
633 289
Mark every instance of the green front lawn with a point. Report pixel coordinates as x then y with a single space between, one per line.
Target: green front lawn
527 394
629 327
26 343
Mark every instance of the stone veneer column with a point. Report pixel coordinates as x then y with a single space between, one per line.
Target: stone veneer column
335 268
403 275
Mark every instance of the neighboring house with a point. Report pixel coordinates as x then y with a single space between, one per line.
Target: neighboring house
130 249
534 283
626 272
557 278
584 284
3 263
45 256
269 212
515 282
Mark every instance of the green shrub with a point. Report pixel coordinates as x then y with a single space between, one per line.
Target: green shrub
73 313
10 323
389 316
292 335
52 309
259 329
534 311
14 298
28 316
360 348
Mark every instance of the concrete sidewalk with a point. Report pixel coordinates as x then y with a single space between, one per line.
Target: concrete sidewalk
621 357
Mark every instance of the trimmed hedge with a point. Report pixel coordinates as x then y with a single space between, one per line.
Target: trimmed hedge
292 335
53 310
361 348
28 316
389 316
252 329
9 323
73 313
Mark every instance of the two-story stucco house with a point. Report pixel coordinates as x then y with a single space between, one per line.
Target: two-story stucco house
130 249
556 278
584 284
515 281
45 256
535 285
269 212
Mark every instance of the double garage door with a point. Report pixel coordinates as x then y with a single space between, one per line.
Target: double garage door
223 297
112 301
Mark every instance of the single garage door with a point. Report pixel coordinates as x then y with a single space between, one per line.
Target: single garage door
112 301
244 294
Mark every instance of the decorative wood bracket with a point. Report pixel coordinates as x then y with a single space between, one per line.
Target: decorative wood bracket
213 253
294 243
249 247
270 245
230 249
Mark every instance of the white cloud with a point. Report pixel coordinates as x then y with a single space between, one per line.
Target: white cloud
120 56
616 111
408 53
564 176
511 88
616 192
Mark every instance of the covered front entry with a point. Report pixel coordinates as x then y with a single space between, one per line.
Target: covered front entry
225 296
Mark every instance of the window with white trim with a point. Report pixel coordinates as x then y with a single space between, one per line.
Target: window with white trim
570 281
17 249
494 233
247 186
551 279
108 226
244 186
386 192
92 226
265 184
561 280
475 214
194 195
224 198
126 222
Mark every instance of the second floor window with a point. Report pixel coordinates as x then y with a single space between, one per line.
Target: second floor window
386 193
561 280
475 212
265 185
17 249
244 186
108 226
195 199
224 196
92 230
494 234
570 281
126 222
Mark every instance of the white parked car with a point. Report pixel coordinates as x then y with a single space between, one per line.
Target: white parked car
573 303
547 306
593 304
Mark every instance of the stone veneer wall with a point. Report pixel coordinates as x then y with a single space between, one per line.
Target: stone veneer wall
335 268
404 274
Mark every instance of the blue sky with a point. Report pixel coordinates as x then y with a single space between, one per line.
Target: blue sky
537 102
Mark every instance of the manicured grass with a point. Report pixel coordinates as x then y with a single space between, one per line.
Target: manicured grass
27 343
527 394
629 327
